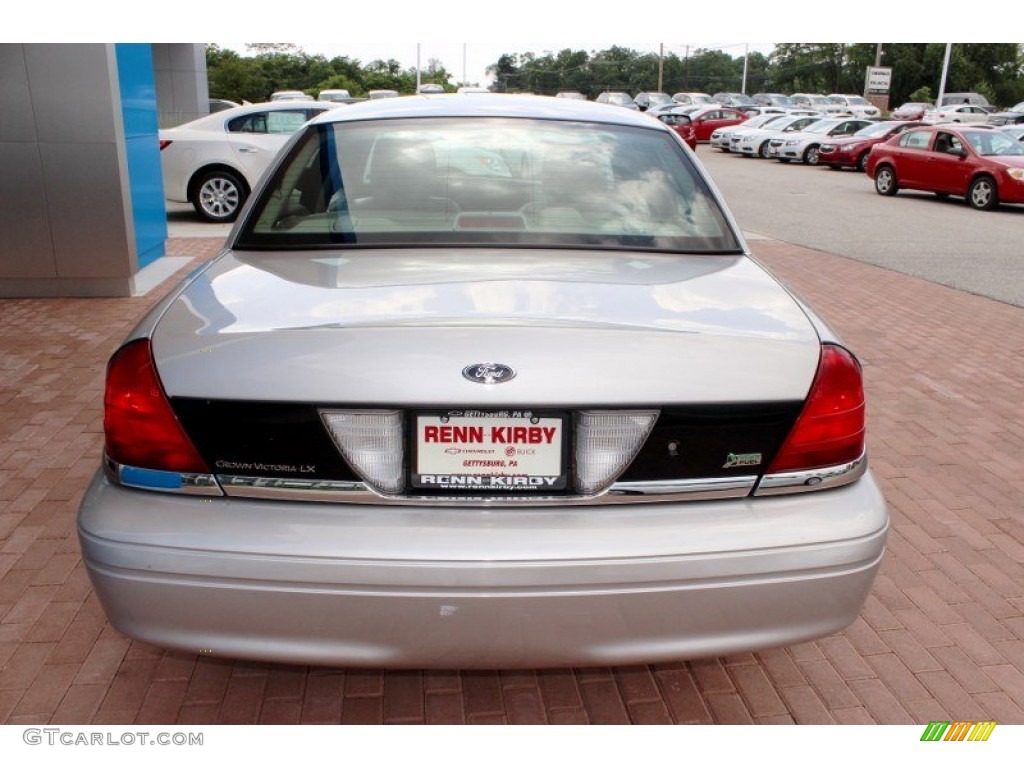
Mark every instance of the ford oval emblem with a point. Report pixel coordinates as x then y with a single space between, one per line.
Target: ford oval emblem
488 373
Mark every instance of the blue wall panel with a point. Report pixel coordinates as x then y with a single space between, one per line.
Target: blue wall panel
139 109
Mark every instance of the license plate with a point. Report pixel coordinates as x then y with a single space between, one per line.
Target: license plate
493 451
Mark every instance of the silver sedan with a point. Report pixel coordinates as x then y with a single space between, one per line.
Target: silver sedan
488 382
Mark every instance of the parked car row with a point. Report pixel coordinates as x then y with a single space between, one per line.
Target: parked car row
214 162
852 151
753 140
805 145
834 104
957 110
982 163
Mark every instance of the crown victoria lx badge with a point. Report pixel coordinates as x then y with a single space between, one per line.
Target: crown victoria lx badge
488 373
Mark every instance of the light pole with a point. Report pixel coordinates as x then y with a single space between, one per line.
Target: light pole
746 59
661 66
945 72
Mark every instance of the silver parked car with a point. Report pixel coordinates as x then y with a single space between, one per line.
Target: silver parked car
618 98
487 382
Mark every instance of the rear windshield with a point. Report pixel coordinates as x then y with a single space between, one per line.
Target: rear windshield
470 181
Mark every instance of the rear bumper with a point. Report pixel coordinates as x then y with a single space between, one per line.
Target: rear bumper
463 588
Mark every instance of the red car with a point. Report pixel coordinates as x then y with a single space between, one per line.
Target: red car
706 120
681 123
852 151
984 166
912 110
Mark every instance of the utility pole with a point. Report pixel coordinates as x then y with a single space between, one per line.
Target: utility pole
839 69
418 73
661 66
746 58
945 72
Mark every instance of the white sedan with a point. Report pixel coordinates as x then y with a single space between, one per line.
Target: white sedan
214 162
854 105
755 143
803 146
956 113
721 137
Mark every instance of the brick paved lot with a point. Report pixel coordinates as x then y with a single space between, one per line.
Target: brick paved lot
941 637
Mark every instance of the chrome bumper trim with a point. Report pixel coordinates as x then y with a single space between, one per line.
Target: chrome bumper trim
812 479
355 492
359 493
191 483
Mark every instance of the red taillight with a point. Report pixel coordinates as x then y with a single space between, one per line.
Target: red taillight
164 144
830 429
141 429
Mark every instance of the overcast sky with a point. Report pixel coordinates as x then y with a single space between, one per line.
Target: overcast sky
372 30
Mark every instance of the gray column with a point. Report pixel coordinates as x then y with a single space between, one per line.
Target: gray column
68 202
182 91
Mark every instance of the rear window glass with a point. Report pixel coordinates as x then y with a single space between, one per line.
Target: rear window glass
270 122
500 181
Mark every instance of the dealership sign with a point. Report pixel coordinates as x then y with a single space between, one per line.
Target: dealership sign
878 79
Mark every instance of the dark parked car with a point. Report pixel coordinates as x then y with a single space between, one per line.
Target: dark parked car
647 99
1012 116
739 101
773 100
618 98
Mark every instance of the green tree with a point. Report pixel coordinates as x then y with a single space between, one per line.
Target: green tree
807 67
380 75
573 68
505 69
434 72
613 70
708 71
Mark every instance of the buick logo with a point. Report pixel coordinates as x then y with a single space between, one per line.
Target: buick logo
488 373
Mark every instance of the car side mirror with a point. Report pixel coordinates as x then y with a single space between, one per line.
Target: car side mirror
959 152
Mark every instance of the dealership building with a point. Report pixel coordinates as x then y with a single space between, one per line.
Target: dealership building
83 207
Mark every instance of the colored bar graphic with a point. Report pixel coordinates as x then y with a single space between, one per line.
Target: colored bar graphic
982 730
960 730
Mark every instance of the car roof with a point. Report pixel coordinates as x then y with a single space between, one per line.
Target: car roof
487 105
